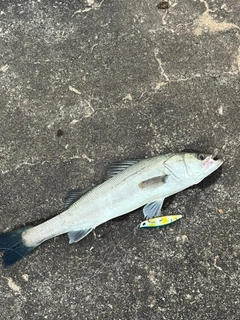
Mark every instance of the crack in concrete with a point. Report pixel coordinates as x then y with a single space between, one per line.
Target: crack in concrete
160 65
4 68
12 285
235 69
163 73
164 83
167 80
26 162
91 6
224 7
74 90
128 97
207 24
238 59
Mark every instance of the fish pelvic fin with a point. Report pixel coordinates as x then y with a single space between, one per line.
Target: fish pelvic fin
12 244
153 209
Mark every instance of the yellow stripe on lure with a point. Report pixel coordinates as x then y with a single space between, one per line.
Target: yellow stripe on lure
160 221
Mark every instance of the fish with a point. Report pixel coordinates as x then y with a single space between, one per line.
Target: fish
130 185
160 221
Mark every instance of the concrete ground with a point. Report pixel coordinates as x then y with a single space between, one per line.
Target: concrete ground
86 83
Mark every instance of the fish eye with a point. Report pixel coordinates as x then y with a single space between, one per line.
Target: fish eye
201 156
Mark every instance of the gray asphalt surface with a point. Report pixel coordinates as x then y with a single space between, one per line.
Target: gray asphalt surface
86 83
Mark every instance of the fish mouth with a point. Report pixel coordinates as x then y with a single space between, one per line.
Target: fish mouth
211 160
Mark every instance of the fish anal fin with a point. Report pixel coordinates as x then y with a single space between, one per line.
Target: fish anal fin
153 209
153 182
75 236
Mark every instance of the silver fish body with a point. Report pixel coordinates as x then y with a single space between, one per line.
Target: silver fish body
132 184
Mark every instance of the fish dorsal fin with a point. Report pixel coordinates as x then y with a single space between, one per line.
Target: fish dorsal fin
153 209
75 236
73 195
118 167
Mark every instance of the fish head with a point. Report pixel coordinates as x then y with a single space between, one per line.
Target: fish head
192 167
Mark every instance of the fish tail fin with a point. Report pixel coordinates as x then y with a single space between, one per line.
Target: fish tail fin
13 246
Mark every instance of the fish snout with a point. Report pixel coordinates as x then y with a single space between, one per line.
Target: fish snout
212 161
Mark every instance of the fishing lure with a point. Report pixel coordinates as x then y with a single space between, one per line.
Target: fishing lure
160 221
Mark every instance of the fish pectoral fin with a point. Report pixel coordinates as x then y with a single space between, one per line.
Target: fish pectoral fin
74 195
118 167
75 236
153 209
153 182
